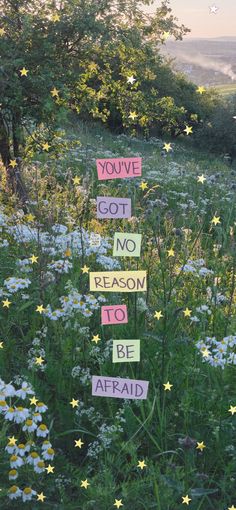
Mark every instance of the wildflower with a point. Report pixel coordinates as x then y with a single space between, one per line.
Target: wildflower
21 449
42 430
16 461
24 391
48 454
13 474
41 407
37 417
14 492
20 414
29 426
9 415
28 493
33 458
39 467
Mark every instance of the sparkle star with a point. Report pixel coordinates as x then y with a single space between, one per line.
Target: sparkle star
78 443
33 259
84 484
165 35
201 446
158 315
215 220
96 339
131 79
205 353
33 401
188 130
76 180
85 269
167 386
118 503
46 146
171 252
213 9
186 499
141 464
74 403
167 147
30 217
143 185
232 508
55 18
1 345
50 469
6 303
133 115
39 360
2 32
24 71
41 497
187 312
40 309
201 179
201 90
12 441
232 410
55 92
13 163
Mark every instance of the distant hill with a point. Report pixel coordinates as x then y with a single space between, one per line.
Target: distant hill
205 61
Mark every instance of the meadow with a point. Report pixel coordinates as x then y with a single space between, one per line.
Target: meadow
61 447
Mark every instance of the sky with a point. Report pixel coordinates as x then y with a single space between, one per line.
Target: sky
195 14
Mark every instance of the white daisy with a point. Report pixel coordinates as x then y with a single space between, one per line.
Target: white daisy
21 414
42 430
46 444
41 407
39 467
37 417
14 492
24 391
21 449
28 493
10 414
33 458
29 426
16 461
48 454
13 474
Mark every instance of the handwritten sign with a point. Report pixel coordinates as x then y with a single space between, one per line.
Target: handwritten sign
118 168
113 207
118 281
114 314
127 245
125 350
119 388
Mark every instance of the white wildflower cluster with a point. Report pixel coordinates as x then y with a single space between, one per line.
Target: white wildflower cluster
37 350
197 267
75 302
24 265
107 434
14 284
60 266
36 449
220 352
203 310
83 374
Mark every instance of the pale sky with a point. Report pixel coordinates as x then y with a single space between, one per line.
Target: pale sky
195 14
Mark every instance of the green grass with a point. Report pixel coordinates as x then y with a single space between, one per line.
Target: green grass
227 89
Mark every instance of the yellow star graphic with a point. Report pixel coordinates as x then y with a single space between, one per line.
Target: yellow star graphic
188 130
76 180
133 115
143 185
13 163
55 18
167 147
1 345
171 253
85 269
201 179
232 508
165 35
6 303
158 315
50 469
167 386
215 220
33 401
2 32
12 441
55 92
46 146
118 503
84 484
205 353
33 259
141 464
40 309
24 71
41 497
187 312
78 443
232 410
96 338
201 446
201 90
186 499
74 403
39 361
30 217
67 253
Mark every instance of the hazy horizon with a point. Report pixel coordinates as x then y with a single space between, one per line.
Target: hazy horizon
196 16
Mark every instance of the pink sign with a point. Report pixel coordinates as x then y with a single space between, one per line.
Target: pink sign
118 168
117 387
114 314
113 207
